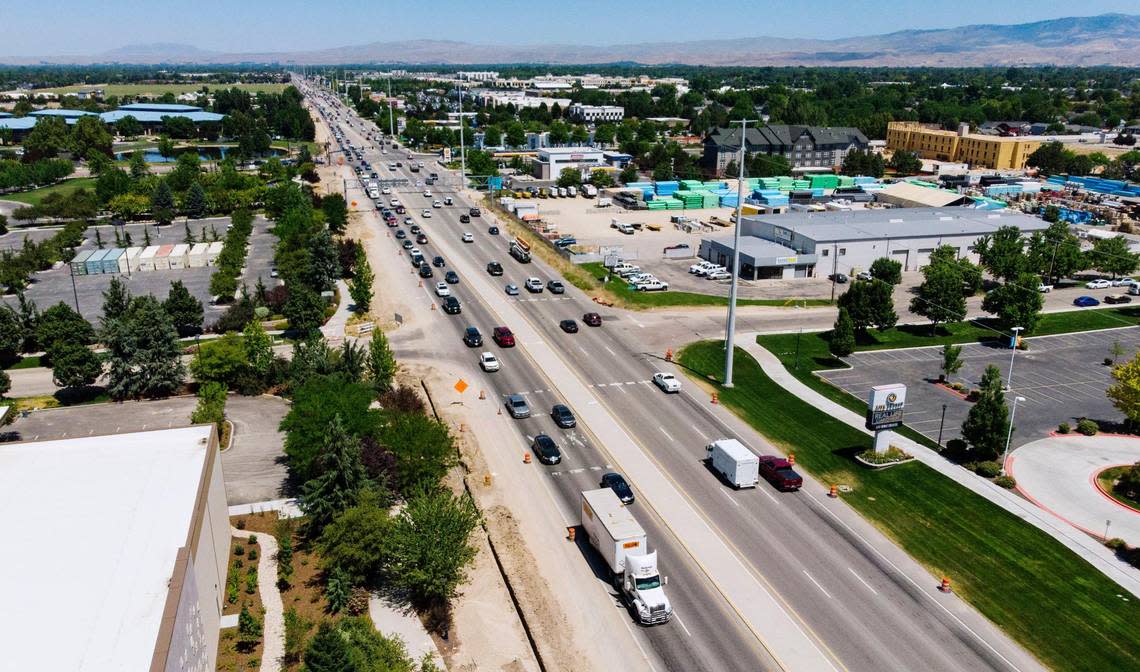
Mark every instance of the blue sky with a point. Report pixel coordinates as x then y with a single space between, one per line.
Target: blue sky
56 27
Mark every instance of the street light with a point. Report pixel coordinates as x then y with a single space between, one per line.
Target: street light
1013 347
730 328
1009 434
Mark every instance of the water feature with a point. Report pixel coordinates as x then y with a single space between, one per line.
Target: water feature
208 153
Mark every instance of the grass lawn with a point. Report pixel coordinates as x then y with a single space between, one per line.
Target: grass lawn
159 89
1107 479
635 299
1046 597
26 363
34 196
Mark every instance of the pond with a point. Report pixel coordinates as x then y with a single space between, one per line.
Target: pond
210 153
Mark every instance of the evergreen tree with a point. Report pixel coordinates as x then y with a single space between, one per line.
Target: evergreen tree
162 203
5 383
987 424
338 589
249 629
99 239
382 365
360 286
352 361
341 477
74 366
328 651
144 354
116 299
324 262
951 360
196 205
305 310
138 165
11 336
29 319
843 335
187 237
186 311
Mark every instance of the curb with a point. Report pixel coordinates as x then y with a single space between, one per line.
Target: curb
1095 480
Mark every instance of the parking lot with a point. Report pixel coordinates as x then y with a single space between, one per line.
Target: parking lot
52 286
1062 378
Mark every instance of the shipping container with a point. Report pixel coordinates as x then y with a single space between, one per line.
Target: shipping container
95 262
213 251
146 258
79 262
111 261
177 256
162 257
131 258
197 255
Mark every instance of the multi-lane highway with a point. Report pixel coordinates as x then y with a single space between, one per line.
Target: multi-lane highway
833 581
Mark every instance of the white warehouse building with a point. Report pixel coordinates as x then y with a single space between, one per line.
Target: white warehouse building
551 160
595 113
804 245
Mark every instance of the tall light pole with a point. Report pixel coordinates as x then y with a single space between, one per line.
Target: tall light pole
730 328
1009 434
391 114
1013 348
462 155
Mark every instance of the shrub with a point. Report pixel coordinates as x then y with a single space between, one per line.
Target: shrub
296 627
252 554
1108 361
955 447
987 469
1064 428
958 386
251 583
1006 482
240 524
1116 543
1087 427
974 395
239 550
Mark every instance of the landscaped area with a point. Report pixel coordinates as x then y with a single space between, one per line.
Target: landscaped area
1109 479
632 298
35 196
160 89
1044 596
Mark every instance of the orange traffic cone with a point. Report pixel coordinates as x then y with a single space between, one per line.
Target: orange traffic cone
482 394
669 355
792 459
570 534
945 586
834 492
715 398
526 458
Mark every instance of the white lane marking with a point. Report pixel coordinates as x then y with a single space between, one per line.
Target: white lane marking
665 433
631 382
609 351
697 430
583 350
602 384
577 471
769 495
862 581
682 623
821 589
639 646
639 324
730 498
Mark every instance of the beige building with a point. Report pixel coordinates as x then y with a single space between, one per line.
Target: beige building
986 151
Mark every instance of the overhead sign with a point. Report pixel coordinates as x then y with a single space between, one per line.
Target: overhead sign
885 405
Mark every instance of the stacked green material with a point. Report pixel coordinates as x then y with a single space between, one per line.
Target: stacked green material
801 184
711 200
824 181
691 185
785 183
846 181
690 199
769 183
658 204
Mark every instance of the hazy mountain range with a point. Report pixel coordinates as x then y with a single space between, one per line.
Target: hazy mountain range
1108 39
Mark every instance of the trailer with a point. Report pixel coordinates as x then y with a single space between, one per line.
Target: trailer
177 256
732 460
213 251
79 262
131 259
162 257
95 262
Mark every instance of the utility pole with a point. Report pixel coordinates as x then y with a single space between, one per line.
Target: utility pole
730 328
391 114
462 155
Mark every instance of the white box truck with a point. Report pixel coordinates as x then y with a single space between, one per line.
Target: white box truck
732 460
616 535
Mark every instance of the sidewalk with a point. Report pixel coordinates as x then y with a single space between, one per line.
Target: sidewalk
391 619
333 330
1088 548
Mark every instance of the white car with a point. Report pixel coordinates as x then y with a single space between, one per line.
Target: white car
427 193
1098 284
441 289
656 286
426 213
395 202
408 221
414 251
386 190
533 285
667 382
701 266
489 362
719 275
1123 282
437 204
468 237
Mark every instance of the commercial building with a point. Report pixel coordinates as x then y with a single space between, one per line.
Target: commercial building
911 195
800 245
591 114
977 149
116 549
152 116
519 99
552 160
806 148
477 76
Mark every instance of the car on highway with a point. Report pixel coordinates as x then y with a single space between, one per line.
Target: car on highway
472 338
427 193
489 362
407 244
569 326
533 285
451 277
667 382
401 234
464 219
451 306
546 450
386 190
563 416
556 287
441 289
394 202
474 212
426 214
592 319
512 289
1100 283
425 271
408 221
616 482
1117 298
415 228
437 204
438 262
468 237
503 336
517 406
1085 302
421 239
401 210
778 471
494 268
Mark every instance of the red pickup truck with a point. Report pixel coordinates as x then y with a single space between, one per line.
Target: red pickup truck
779 473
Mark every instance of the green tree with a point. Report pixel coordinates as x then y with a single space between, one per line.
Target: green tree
47 139
430 546
5 383
382 365
870 304
143 351
90 134
341 478
338 590
987 424
570 177
196 206
940 297
1113 256
1055 252
360 286
492 136
283 532
165 147
11 336
316 401
328 651
74 365
905 163
356 541
249 629
128 206
886 269
59 325
324 262
423 447
1016 304
138 165
951 360
162 203
305 310
211 406
1125 391
186 311
258 347
221 360
628 174
336 212
351 361
601 179
128 127
1002 253
842 341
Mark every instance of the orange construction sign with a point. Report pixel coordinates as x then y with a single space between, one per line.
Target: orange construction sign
461 386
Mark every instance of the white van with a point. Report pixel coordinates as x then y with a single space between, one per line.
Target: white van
732 460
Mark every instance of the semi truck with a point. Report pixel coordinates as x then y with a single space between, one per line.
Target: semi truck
732 460
616 535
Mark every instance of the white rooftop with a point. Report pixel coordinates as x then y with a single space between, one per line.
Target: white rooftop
91 527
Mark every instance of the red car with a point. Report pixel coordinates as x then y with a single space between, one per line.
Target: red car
503 336
779 473
592 319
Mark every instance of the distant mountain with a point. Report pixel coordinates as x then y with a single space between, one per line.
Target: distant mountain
1108 39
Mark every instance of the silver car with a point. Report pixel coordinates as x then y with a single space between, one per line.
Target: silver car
517 406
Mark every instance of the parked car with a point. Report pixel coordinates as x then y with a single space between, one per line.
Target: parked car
1118 298
451 306
451 278
569 326
838 277
562 416
472 338
1044 289
503 336
533 285
1122 282
494 268
468 237
778 472
517 406
1085 302
556 287
616 482
441 289
1098 284
592 319
652 286
719 275
489 362
546 450
512 289
667 382
863 276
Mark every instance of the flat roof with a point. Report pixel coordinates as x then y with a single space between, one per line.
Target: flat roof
92 527
875 224
155 117
18 123
927 196
758 248
161 107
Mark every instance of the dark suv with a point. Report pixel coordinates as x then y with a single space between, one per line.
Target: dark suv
451 306
464 219
562 416
495 268
425 271
472 337
474 212
546 450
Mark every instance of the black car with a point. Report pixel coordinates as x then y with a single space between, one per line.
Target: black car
494 230
546 450
474 212
617 483
840 278
592 319
401 234
451 306
1118 298
425 271
451 278
562 416
495 268
438 262
464 219
569 326
415 228
556 287
472 337
421 239
407 244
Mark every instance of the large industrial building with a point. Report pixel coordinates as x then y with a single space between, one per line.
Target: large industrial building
550 161
116 550
150 115
804 245
975 149
807 148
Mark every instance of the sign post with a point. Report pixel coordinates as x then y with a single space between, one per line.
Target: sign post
885 406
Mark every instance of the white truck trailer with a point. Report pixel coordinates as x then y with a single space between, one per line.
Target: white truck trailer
620 540
732 459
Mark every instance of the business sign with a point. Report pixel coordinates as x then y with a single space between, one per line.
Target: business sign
885 406
447 155
495 183
786 260
577 157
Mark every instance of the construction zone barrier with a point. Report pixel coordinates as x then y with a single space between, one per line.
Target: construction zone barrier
833 492
945 585
526 458
570 534
792 459
669 355
486 480
715 398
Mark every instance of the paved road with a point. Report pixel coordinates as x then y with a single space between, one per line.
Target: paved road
830 575
1059 474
